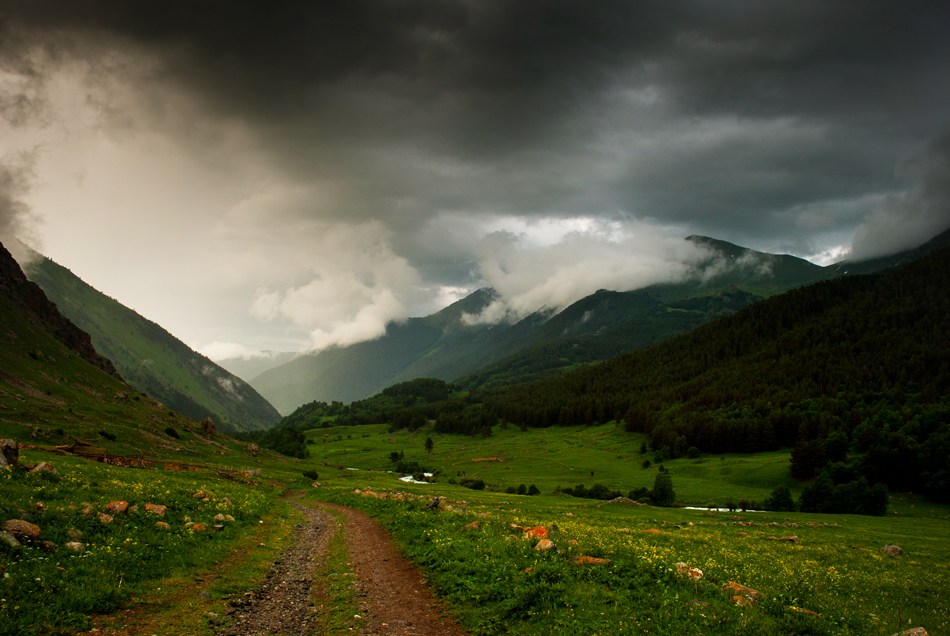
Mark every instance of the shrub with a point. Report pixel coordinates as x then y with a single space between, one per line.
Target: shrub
780 500
663 493
172 432
693 452
522 489
311 474
109 436
533 490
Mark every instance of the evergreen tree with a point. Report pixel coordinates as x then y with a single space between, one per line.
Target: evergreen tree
662 493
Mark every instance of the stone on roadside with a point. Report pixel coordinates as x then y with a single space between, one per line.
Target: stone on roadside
893 550
104 518
117 507
75 546
156 509
22 529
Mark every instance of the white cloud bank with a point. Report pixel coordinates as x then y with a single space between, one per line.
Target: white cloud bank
615 255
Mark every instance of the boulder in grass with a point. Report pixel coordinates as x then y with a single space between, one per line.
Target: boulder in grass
544 544
75 546
156 509
893 550
44 467
539 532
117 507
199 527
162 525
589 560
228 518
217 528
917 631
104 518
9 453
22 529
745 592
46 546
9 539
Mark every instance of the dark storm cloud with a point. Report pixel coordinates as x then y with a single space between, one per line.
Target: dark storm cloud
725 117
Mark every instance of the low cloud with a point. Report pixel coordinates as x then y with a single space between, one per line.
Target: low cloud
907 220
17 222
357 286
618 256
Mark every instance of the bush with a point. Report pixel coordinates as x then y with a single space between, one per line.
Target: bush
780 500
109 436
522 489
693 452
533 490
311 474
172 432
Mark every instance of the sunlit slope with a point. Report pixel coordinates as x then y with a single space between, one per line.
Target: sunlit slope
151 359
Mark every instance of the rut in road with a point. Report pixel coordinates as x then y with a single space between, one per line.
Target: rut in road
394 599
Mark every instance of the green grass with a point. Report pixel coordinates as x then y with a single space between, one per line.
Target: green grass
48 592
555 456
485 575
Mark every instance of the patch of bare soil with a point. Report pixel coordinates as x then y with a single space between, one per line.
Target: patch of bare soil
395 599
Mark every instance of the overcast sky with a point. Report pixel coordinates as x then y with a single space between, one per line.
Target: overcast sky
291 175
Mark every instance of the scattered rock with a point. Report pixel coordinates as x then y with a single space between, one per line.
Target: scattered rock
22 529
117 507
204 594
44 467
789 539
544 544
162 525
893 550
539 532
156 509
217 528
75 546
589 560
87 509
9 539
802 610
46 546
653 531
219 518
742 534
687 572
199 527
9 453
471 526
917 631
698 603
134 510
228 518
746 592
104 518
74 534
207 427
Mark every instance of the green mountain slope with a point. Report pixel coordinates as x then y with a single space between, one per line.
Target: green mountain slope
603 325
151 359
55 388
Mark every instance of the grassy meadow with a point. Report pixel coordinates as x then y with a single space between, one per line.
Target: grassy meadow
131 572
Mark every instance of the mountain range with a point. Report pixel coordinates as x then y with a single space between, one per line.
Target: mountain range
549 343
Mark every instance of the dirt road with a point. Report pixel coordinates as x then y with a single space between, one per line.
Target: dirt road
394 600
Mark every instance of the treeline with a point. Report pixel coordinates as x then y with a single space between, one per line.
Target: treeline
854 366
